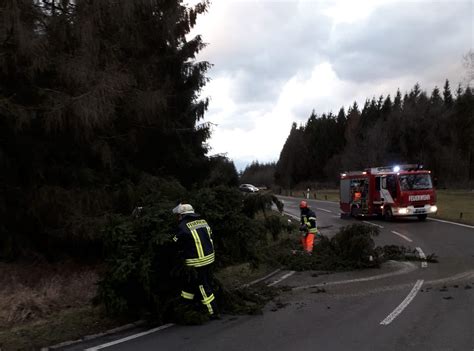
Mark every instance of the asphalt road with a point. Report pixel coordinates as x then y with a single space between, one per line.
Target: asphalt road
402 306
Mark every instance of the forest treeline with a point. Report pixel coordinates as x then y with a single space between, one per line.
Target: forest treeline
436 130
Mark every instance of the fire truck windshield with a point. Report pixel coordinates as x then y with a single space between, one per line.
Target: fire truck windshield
415 182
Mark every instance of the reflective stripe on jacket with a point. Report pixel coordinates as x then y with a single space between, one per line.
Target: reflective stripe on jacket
308 219
195 241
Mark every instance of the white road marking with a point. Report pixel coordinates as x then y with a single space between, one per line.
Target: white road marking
461 276
404 304
459 224
402 236
422 255
260 279
375 224
291 215
289 274
131 337
336 216
407 267
322 209
465 276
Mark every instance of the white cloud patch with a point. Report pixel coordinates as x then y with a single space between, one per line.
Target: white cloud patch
275 61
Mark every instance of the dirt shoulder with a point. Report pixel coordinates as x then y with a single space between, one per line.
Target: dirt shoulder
42 304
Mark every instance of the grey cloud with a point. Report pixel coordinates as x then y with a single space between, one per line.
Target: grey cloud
403 38
270 45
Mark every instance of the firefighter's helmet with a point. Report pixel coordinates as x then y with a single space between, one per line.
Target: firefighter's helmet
182 209
303 204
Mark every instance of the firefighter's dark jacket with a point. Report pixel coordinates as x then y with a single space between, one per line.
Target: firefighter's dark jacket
194 239
308 219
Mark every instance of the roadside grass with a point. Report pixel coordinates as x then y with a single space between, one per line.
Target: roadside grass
68 324
328 195
30 292
455 205
317 194
42 304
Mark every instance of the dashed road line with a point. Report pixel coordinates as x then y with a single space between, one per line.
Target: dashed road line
396 312
422 255
449 222
375 224
283 277
131 337
402 236
322 209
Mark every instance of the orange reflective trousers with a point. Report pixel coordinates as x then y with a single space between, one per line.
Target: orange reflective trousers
307 241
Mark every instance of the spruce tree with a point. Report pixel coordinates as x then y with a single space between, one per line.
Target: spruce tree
95 96
447 96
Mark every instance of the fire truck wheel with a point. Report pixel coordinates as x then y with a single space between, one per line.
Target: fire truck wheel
422 217
388 215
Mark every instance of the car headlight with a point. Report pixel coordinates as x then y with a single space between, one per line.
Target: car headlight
434 208
403 210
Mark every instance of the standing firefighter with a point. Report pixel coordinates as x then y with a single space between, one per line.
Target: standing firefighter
194 239
308 227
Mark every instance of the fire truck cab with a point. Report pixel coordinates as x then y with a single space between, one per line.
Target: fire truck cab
405 190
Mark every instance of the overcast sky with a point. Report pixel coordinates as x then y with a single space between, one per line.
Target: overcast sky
276 61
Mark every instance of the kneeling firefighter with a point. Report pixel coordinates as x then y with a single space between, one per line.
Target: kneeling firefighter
194 239
308 227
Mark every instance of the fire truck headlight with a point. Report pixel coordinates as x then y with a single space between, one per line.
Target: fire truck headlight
434 209
396 168
403 210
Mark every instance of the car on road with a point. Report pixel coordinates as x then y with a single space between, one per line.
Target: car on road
248 188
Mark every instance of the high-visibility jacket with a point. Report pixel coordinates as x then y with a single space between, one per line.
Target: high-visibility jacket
308 220
194 239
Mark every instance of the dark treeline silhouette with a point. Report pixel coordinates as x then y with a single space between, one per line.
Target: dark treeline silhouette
436 130
259 174
97 100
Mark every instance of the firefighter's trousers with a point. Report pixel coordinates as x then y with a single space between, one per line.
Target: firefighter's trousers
198 287
307 241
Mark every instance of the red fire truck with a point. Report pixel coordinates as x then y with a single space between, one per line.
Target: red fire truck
404 190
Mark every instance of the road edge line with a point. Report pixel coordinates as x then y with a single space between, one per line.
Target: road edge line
291 215
283 277
94 336
260 279
449 222
396 312
408 267
402 236
130 337
374 224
